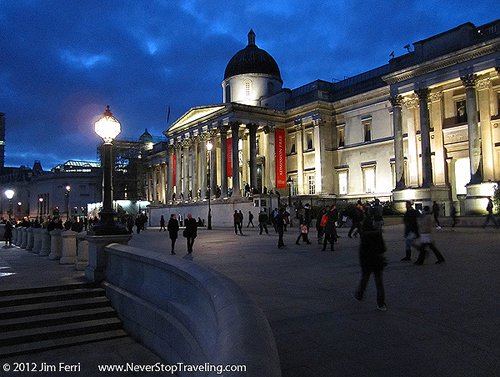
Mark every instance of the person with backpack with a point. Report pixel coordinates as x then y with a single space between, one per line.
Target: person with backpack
328 223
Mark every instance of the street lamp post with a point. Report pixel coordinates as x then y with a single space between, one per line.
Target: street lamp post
107 127
209 149
9 194
40 204
66 195
289 182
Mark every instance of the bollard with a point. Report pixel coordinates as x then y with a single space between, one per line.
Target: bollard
68 254
37 242
82 252
31 240
45 250
15 233
55 244
24 239
96 269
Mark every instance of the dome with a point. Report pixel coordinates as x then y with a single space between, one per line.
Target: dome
252 60
146 137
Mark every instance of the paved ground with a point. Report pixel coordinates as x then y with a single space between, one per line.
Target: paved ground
442 320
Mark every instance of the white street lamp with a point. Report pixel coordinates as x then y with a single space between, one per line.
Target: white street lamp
9 194
108 128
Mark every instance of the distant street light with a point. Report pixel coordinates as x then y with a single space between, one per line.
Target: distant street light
40 204
9 194
66 195
209 149
108 128
289 182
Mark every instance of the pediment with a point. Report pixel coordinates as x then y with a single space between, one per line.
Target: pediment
193 116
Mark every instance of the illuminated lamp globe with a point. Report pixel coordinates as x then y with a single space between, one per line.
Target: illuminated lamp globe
209 145
9 194
107 127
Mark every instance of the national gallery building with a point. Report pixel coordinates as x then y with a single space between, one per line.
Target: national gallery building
423 127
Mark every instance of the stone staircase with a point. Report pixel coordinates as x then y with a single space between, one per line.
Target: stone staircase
40 319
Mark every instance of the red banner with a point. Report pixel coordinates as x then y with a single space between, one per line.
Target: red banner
174 169
229 157
280 149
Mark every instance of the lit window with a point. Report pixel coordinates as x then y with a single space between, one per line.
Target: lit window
461 111
369 179
341 137
367 128
343 183
309 141
311 182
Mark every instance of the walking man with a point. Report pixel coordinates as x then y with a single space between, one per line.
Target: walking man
411 229
489 216
435 212
371 258
426 238
162 223
263 218
280 226
173 230
250 219
190 232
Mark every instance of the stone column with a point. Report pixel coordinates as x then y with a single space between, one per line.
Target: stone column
440 178
397 126
213 163
68 247
185 168
163 179
299 149
252 129
203 165
82 252
271 157
178 171
488 156
411 103
319 155
195 183
223 159
24 241
169 175
469 82
235 128
153 183
55 244
423 95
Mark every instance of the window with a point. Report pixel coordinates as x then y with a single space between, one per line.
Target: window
343 183
367 129
292 149
309 141
369 179
247 89
341 136
228 93
461 107
292 142
311 183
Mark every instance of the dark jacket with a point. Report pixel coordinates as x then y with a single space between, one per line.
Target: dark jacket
410 221
191 228
173 228
371 250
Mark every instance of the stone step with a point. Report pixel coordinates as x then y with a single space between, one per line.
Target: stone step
48 296
20 291
45 345
52 307
59 331
50 319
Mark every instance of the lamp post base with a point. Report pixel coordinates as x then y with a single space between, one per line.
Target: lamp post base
107 226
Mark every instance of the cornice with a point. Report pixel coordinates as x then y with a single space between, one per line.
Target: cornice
442 62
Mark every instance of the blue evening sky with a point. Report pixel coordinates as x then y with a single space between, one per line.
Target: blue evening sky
63 61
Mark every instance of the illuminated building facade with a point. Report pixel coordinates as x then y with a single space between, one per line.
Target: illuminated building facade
423 127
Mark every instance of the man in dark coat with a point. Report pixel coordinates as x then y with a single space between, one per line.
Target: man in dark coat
173 230
263 218
190 232
280 226
371 258
329 229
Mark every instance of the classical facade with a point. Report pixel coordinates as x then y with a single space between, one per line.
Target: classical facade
423 127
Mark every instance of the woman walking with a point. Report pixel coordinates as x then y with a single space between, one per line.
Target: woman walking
173 230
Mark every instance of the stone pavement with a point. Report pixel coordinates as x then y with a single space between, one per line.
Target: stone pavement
442 320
